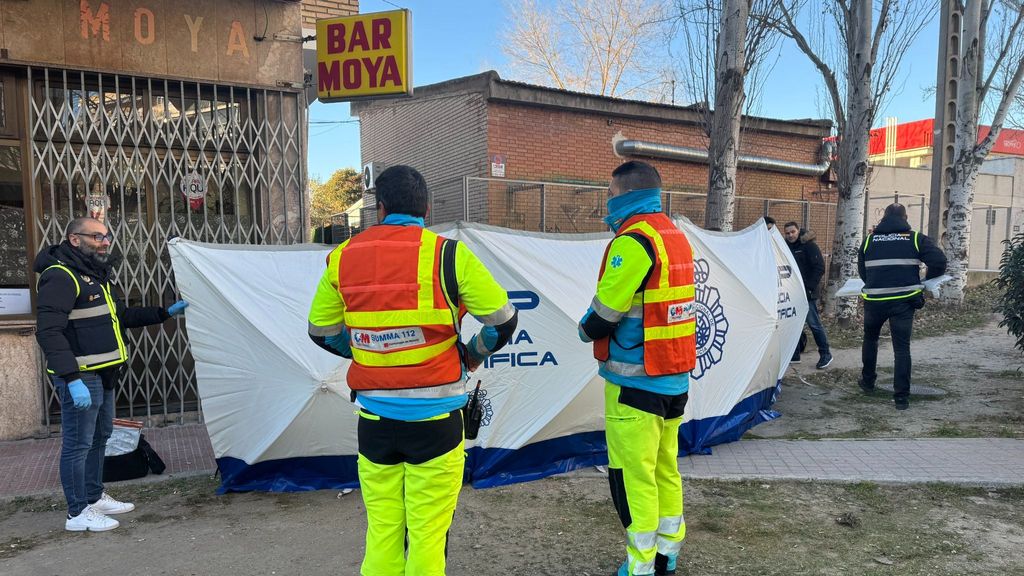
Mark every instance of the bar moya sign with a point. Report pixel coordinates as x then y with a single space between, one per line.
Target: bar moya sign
364 56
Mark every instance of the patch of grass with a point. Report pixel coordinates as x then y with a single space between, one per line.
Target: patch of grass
193 489
933 320
12 547
949 430
30 504
862 528
1008 374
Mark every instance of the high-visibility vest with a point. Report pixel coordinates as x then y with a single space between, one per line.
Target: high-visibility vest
403 327
665 302
892 266
93 328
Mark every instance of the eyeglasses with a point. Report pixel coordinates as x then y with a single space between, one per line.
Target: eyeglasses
109 237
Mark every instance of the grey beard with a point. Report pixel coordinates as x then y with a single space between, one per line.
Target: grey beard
93 255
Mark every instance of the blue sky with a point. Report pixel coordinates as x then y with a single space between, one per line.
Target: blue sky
453 38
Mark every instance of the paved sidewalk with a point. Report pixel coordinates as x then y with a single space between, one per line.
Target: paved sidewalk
975 461
31 466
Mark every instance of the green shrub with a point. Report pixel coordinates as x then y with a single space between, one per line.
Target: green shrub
1011 279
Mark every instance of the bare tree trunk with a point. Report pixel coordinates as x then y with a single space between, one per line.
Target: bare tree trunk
853 160
965 161
730 69
969 154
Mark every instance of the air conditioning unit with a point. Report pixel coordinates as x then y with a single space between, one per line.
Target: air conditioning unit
370 172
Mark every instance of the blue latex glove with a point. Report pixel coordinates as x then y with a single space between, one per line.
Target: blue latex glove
79 394
177 308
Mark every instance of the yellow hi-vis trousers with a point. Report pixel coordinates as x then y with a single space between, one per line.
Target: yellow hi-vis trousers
410 501
643 473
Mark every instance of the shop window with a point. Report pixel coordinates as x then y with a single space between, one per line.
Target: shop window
15 297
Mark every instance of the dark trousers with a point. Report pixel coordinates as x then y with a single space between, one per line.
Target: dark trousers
84 436
900 314
817 330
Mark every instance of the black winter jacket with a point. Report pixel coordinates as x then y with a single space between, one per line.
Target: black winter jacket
809 261
893 239
65 341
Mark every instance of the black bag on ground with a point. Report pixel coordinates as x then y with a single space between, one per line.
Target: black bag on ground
134 464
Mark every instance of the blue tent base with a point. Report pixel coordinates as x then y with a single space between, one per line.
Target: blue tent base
490 467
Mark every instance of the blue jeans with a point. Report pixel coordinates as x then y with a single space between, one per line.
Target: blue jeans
817 330
84 436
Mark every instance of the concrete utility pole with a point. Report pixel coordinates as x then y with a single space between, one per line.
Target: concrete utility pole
944 129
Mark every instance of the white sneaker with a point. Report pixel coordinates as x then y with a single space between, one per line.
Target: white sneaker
91 520
107 505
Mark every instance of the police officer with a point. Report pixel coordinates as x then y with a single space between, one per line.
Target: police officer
642 324
392 299
80 322
890 266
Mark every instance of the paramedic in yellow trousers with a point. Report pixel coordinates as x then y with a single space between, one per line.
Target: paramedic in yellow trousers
392 299
642 324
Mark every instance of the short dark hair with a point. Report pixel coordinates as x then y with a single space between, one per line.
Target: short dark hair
895 210
78 224
769 221
636 175
402 190
790 223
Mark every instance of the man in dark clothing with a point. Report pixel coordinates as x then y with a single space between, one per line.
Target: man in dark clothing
812 268
890 266
81 318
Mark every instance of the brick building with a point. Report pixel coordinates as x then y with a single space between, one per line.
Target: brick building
535 158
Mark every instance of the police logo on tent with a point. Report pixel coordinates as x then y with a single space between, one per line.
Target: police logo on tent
486 407
712 325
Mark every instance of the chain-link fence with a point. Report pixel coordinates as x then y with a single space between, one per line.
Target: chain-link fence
991 224
580 207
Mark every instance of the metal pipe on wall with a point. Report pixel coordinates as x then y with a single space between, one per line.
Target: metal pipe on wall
626 147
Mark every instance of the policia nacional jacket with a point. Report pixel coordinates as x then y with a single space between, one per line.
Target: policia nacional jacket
890 261
81 315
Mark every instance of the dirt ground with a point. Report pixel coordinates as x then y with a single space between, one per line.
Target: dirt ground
979 371
558 526
566 525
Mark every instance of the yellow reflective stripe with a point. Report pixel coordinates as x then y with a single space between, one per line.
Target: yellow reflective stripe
78 288
659 245
878 299
434 418
117 323
670 294
367 415
401 357
680 330
425 271
398 318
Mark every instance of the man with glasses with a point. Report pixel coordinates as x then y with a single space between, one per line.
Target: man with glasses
81 317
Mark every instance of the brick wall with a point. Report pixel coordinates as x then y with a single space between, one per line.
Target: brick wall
444 137
312 10
549 144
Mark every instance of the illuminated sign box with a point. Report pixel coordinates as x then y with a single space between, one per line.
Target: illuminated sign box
364 56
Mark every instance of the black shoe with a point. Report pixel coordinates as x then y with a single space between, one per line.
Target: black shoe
795 359
868 389
902 404
824 361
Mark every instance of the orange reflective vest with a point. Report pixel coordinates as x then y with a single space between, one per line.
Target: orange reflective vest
402 325
665 302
